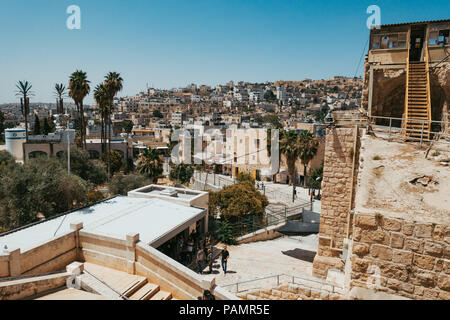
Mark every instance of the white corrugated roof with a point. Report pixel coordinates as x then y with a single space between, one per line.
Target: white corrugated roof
151 218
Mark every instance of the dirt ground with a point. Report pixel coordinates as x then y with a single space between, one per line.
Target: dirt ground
396 177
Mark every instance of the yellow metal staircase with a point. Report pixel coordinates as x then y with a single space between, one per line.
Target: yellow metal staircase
418 100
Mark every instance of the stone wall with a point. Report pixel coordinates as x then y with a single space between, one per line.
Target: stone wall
401 257
337 196
25 288
54 255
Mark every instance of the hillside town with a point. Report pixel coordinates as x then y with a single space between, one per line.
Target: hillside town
288 190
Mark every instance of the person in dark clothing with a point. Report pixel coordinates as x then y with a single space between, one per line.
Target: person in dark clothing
207 295
225 255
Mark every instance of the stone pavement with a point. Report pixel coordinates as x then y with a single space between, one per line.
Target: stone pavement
263 259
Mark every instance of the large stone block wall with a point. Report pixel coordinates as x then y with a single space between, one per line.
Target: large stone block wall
406 258
337 190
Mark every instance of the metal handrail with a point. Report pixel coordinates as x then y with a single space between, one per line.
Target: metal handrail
277 276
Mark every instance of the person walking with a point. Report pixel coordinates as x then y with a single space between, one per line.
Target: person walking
199 260
190 249
210 260
225 255
179 248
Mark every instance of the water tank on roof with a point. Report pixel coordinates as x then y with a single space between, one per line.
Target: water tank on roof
15 138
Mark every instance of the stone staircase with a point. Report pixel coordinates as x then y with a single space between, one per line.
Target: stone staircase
115 284
418 106
289 292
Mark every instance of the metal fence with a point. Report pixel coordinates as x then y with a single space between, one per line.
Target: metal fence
272 218
393 127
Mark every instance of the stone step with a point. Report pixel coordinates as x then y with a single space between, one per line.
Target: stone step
162 295
146 292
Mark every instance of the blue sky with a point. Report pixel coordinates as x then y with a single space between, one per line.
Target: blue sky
170 43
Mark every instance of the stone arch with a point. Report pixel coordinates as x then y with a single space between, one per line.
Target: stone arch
37 154
60 154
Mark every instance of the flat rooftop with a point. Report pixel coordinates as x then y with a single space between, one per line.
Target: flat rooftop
155 220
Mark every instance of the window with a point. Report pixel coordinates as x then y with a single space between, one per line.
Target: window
443 37
389 41
438 37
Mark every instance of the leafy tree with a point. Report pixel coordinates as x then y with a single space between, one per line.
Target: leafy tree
181 173
2 125
40 186
243 177
113 84
157 114
129 166
315 178
60 92
309 147
81 165
24 91
273 120
78 89
127 126
122 184
291 148
224 233
47 129
37 126
94 196
115 158
238 200
269 96
6 160
150 164
101 98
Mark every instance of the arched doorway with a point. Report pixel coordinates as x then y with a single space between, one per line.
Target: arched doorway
37 154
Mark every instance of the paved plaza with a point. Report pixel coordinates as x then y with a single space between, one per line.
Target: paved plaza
266 258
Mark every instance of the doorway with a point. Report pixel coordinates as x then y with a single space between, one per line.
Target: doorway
416 43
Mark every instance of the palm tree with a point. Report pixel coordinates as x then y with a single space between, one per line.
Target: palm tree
291 148
101 97
309 146
113 84
78 90
60 92
150 164
24 91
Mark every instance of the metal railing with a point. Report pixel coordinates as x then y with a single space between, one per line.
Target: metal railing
291 280
274 218
423 134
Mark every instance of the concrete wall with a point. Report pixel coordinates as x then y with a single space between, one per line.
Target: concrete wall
401 257
51 256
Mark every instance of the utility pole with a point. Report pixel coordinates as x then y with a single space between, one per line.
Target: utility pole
68 149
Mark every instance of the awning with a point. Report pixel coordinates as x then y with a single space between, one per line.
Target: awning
297 228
